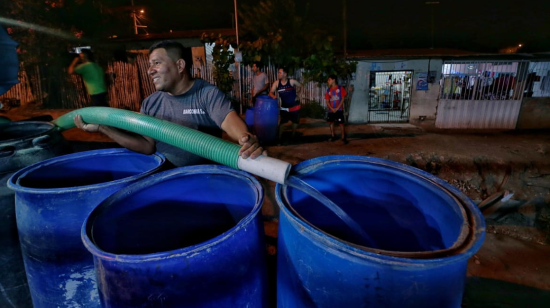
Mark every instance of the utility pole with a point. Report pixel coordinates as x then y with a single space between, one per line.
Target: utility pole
345 21
236 24
137 23
431 4
237 64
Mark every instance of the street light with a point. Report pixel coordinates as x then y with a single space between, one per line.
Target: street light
137 23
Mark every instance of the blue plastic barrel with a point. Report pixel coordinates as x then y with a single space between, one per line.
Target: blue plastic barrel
249 119
53 198
8 62
266 119
416 220
188 237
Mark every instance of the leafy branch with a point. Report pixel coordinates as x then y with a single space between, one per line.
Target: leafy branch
222 60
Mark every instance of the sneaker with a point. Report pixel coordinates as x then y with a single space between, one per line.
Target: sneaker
331 139
345 141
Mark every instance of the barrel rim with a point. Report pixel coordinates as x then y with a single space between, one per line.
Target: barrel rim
265 97
27 137
471 244
14 185
188 251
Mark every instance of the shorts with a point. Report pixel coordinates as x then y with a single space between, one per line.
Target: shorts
293 116
336 117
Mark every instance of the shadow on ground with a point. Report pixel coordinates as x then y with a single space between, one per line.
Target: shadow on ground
490 293
300 138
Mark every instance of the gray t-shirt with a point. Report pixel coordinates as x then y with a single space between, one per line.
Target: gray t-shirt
259 82
204 108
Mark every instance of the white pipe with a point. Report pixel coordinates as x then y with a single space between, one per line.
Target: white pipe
266 167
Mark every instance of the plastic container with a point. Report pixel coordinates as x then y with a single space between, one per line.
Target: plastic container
266 119
188 237
249 119
53 198
425 230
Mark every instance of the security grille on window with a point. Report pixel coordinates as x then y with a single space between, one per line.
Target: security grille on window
540 87
501 80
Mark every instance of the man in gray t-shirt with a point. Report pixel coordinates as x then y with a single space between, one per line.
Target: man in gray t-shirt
260 83
204 108
183 100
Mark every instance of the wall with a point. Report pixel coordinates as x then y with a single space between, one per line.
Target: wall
423 103
534 113
358 111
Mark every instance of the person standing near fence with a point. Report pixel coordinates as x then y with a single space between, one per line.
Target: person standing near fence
288 90
93 76
260 82
335 102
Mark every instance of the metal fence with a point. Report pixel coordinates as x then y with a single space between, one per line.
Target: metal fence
389 97
477 80
311 92
541 84
129 84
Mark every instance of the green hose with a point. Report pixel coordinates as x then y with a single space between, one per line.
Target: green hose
201 144
4 120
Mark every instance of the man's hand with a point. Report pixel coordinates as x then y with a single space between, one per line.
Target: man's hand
250 147
90 128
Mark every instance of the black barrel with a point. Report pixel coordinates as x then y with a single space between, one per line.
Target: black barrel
21 144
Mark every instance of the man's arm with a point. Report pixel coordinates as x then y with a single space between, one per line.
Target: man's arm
273 91
73 65
252 94
234 126
297 86
329 106
131 141
343 94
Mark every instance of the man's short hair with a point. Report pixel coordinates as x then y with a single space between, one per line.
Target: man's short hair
175 51
333 77
285 69
88 53
257 63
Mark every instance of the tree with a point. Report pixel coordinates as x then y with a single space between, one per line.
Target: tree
321 60
222 60
280 31
273 30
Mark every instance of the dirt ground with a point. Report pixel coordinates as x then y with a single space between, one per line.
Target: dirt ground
488 166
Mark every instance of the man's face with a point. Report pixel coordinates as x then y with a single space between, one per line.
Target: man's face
281 74
254 68
163 70
330 82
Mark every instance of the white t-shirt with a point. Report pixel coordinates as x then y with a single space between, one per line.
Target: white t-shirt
259 82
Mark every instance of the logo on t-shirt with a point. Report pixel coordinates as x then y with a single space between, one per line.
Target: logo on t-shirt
193 111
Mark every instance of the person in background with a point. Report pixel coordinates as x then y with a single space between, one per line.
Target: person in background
335 102
186 101
260 83
288 91
93 77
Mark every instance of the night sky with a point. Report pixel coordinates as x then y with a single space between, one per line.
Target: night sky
478 25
